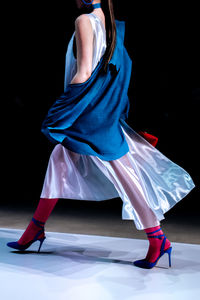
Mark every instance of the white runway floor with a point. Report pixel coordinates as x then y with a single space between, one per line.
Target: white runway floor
90 267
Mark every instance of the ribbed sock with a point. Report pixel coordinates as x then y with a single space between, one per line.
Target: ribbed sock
155 243
42 213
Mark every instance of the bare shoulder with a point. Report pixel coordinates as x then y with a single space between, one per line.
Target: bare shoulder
83 21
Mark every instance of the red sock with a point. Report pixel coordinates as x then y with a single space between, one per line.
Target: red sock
155 243
43 211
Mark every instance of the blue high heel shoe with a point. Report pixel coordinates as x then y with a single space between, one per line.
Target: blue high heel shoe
17 246
143 263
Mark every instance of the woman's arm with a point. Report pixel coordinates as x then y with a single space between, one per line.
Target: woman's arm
84 46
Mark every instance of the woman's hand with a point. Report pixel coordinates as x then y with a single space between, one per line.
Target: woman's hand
80 78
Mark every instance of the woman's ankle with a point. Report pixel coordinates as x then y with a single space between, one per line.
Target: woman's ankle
29 234
155 243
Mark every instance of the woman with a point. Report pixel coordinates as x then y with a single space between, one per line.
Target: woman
97 155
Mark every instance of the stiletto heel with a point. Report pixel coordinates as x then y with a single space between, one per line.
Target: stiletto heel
144 263
169 250
41 242
17 246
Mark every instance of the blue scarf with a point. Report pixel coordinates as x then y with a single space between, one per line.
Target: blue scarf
86 117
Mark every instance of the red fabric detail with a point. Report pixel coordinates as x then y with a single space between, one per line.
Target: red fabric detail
149 137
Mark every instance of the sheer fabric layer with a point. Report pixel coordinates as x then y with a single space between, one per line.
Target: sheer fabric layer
148 183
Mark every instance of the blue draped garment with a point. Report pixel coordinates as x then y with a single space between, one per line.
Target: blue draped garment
86 117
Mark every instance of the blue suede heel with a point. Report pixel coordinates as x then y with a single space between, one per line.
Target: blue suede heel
143 263
17 246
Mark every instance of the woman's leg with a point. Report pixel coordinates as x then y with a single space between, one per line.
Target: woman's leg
42 213
131 185
129 181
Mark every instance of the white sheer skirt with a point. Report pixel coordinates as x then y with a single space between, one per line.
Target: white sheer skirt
148 182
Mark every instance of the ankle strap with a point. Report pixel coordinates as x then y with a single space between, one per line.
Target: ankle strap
160 238
38 223
154 231
156 236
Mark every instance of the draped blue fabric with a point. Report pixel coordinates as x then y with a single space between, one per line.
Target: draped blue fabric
86 117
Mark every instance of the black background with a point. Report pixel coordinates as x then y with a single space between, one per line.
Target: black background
164 90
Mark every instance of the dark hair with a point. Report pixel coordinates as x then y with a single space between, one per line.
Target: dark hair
108 9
